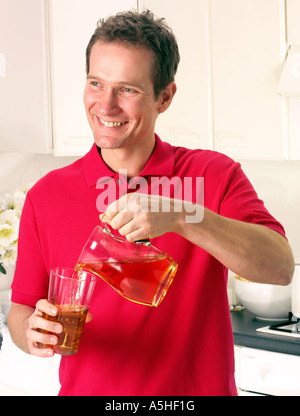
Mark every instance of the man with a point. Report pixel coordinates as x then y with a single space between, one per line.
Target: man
185 346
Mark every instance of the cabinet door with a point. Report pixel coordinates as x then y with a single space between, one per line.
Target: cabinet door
269 372
247 50
25 123
72 24
187 122
292 18
293 38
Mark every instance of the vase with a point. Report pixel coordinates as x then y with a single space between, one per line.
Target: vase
6 279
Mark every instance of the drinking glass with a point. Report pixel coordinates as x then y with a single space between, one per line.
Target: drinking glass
71 292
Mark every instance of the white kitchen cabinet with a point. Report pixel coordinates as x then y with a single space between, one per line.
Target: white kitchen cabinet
247 49
294 112
72 24
292 17
42 73
232 54
25 122
289 82
23 374
268 373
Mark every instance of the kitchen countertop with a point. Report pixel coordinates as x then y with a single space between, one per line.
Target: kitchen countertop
244 325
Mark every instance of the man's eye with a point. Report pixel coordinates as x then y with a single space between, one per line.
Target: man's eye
95 84
128 90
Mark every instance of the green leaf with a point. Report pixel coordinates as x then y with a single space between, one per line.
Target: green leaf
2 270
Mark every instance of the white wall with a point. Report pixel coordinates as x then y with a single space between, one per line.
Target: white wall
18 168
278 185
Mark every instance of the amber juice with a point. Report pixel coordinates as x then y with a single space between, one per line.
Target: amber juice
144 282
72 319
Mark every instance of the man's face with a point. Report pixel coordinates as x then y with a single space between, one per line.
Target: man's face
119 97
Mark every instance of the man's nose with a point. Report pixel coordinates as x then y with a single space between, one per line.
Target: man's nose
109 102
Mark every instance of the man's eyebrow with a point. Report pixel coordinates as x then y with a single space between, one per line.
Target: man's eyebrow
92 77
130 83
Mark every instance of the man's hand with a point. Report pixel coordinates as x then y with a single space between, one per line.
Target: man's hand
139 216
35 335
27 326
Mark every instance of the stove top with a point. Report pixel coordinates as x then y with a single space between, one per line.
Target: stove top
290 328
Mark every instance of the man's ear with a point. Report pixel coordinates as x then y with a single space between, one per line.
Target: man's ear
166 97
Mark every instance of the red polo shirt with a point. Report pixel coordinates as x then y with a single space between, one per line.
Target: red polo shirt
183 347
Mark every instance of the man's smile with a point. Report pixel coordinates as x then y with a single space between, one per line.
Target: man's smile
111 123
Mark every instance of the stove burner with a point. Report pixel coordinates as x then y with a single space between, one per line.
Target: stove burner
291 326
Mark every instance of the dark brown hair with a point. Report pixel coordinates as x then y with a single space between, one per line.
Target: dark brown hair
145 31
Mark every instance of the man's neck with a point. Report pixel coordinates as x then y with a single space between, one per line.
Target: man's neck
133 160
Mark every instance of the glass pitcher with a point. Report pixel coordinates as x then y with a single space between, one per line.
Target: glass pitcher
138 271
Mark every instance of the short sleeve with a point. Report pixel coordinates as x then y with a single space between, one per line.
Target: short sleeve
240 201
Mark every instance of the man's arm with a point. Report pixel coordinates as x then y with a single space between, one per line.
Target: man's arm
253 251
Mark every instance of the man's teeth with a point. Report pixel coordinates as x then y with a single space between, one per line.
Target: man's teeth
111 123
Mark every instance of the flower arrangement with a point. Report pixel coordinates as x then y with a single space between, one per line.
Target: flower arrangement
10 212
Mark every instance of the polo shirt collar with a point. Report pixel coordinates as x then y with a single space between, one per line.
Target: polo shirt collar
161 162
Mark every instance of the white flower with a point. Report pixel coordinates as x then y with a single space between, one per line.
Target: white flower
13 202
2 253
24 188
10 255
8 234
9 217
10 212
4 204
9 227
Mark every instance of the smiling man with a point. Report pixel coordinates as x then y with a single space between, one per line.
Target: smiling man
185 346
121 105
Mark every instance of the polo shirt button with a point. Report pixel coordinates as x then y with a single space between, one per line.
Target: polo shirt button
119 181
